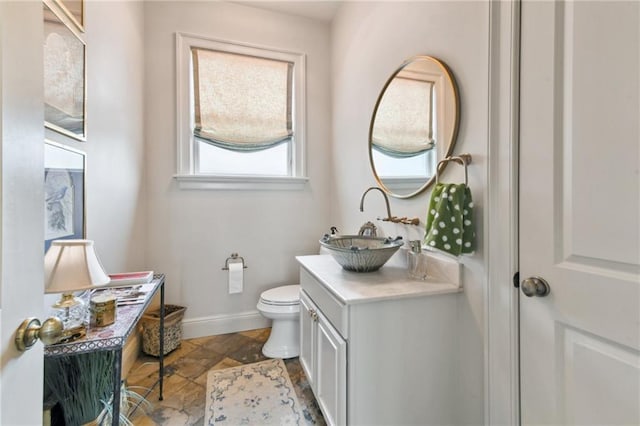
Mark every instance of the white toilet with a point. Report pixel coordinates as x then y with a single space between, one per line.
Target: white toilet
282 306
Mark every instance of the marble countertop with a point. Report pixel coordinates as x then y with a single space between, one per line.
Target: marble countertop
392 281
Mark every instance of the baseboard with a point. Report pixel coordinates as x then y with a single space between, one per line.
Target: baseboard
222 324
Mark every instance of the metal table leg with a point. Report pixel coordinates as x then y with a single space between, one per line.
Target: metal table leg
161 355
117 377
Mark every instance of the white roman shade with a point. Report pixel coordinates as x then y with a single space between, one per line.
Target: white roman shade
242 102
403 124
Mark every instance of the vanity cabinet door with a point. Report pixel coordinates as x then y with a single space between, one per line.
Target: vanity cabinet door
308 339
331 380
323 356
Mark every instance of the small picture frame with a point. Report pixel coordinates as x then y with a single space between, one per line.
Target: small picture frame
64 77
64 193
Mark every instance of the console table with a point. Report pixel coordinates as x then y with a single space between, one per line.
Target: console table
113 338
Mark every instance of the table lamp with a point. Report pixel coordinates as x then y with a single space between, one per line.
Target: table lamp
72 265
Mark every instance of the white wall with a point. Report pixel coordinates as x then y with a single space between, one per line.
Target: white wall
369 41
192 232
115 198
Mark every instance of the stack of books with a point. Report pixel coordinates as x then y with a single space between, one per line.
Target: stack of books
130 288
130 278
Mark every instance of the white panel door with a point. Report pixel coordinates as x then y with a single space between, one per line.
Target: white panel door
579 212
21 207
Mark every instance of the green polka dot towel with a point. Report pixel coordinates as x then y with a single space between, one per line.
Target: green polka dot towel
450 219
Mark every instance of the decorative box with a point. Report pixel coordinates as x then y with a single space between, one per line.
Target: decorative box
173 315
103 310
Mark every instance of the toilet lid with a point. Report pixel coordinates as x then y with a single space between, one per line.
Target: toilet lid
284 295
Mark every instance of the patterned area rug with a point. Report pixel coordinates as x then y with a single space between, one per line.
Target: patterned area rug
253 394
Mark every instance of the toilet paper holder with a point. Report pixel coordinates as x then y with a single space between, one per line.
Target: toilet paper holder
234 259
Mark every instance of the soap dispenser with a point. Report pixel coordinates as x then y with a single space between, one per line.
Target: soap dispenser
417 261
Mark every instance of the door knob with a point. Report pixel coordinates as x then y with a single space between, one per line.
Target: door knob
31 330
535 286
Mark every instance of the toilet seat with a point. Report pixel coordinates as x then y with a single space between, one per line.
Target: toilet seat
288 295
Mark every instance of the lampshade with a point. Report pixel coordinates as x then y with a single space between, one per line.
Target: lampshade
72 265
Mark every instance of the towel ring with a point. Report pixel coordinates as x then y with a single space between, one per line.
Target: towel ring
462 159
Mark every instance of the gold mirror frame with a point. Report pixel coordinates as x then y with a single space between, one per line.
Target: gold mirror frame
445 144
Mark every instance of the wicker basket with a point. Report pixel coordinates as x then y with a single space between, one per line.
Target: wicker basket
172 329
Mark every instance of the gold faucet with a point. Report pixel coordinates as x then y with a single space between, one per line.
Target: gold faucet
389 218
386 201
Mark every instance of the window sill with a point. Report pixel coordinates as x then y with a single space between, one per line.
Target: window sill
220 182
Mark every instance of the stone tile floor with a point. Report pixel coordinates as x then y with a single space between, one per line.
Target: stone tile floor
185 378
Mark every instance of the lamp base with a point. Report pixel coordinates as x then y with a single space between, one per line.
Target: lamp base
67 301
72 310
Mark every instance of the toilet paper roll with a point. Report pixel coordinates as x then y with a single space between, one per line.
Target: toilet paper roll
235 277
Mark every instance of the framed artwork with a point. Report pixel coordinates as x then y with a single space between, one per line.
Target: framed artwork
64 193
64 77
74 9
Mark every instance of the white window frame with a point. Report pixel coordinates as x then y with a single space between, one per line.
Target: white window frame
186 175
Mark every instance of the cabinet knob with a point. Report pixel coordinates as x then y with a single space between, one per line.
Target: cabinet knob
313 314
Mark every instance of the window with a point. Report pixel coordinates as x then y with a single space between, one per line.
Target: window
240 115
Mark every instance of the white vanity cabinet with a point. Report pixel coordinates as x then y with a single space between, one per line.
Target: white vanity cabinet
323 356
378 348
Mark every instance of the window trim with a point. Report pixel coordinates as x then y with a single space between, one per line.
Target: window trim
186 175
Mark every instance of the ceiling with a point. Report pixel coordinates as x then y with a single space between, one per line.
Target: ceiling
314 9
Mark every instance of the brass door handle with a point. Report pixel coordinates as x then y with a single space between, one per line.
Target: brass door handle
31 330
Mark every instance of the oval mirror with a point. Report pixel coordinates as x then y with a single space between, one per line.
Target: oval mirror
414 125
